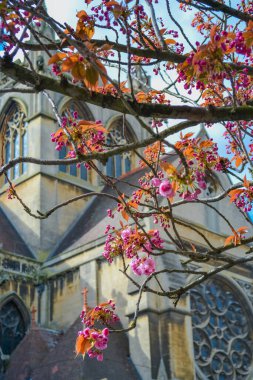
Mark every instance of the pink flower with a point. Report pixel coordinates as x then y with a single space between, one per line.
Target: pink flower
148 266
105 332
144 265
125 234
166 190
100 341
156 181
100 357
135 265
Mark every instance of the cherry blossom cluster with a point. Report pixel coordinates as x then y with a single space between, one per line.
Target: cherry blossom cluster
88 136
103 313
200 156
205 65
143 265
244 199
97 340
91 340
130 242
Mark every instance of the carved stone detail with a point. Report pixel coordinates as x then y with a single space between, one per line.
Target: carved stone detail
247 288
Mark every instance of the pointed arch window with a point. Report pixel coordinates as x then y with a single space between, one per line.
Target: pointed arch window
14 137
119 134
14 322
12 327
83 113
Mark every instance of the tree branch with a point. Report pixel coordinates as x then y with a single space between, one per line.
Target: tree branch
196 114
160 55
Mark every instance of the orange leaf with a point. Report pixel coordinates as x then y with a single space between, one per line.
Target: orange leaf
206 144
174 186
170 41
133 204
189 152
68 64
238 161
111 3
168 168
81 14
78 71
86 125
125 215
213 32
234 194
56 58
82 345
186 136
242 230
91 77
228 240
245 181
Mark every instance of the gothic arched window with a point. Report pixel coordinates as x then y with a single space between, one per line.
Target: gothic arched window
12 327
69 108
13 129
119 134
222 332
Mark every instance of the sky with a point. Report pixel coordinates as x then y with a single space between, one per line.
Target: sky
64 10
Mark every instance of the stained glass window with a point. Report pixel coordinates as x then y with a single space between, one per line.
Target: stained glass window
14 134
221 332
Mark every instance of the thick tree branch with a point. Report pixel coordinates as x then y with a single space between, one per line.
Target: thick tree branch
195 114
221 7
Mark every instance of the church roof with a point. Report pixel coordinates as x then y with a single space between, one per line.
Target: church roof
10 240
30 352
62 363
44 354
94 218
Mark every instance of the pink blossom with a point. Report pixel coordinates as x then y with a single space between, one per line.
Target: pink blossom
156 181
100 357
144 265
135 265
105 332
125 234
101 342
165 189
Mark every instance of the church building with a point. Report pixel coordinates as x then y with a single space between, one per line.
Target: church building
45 264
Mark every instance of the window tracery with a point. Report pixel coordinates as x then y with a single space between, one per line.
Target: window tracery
221 332
119 134
14 138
